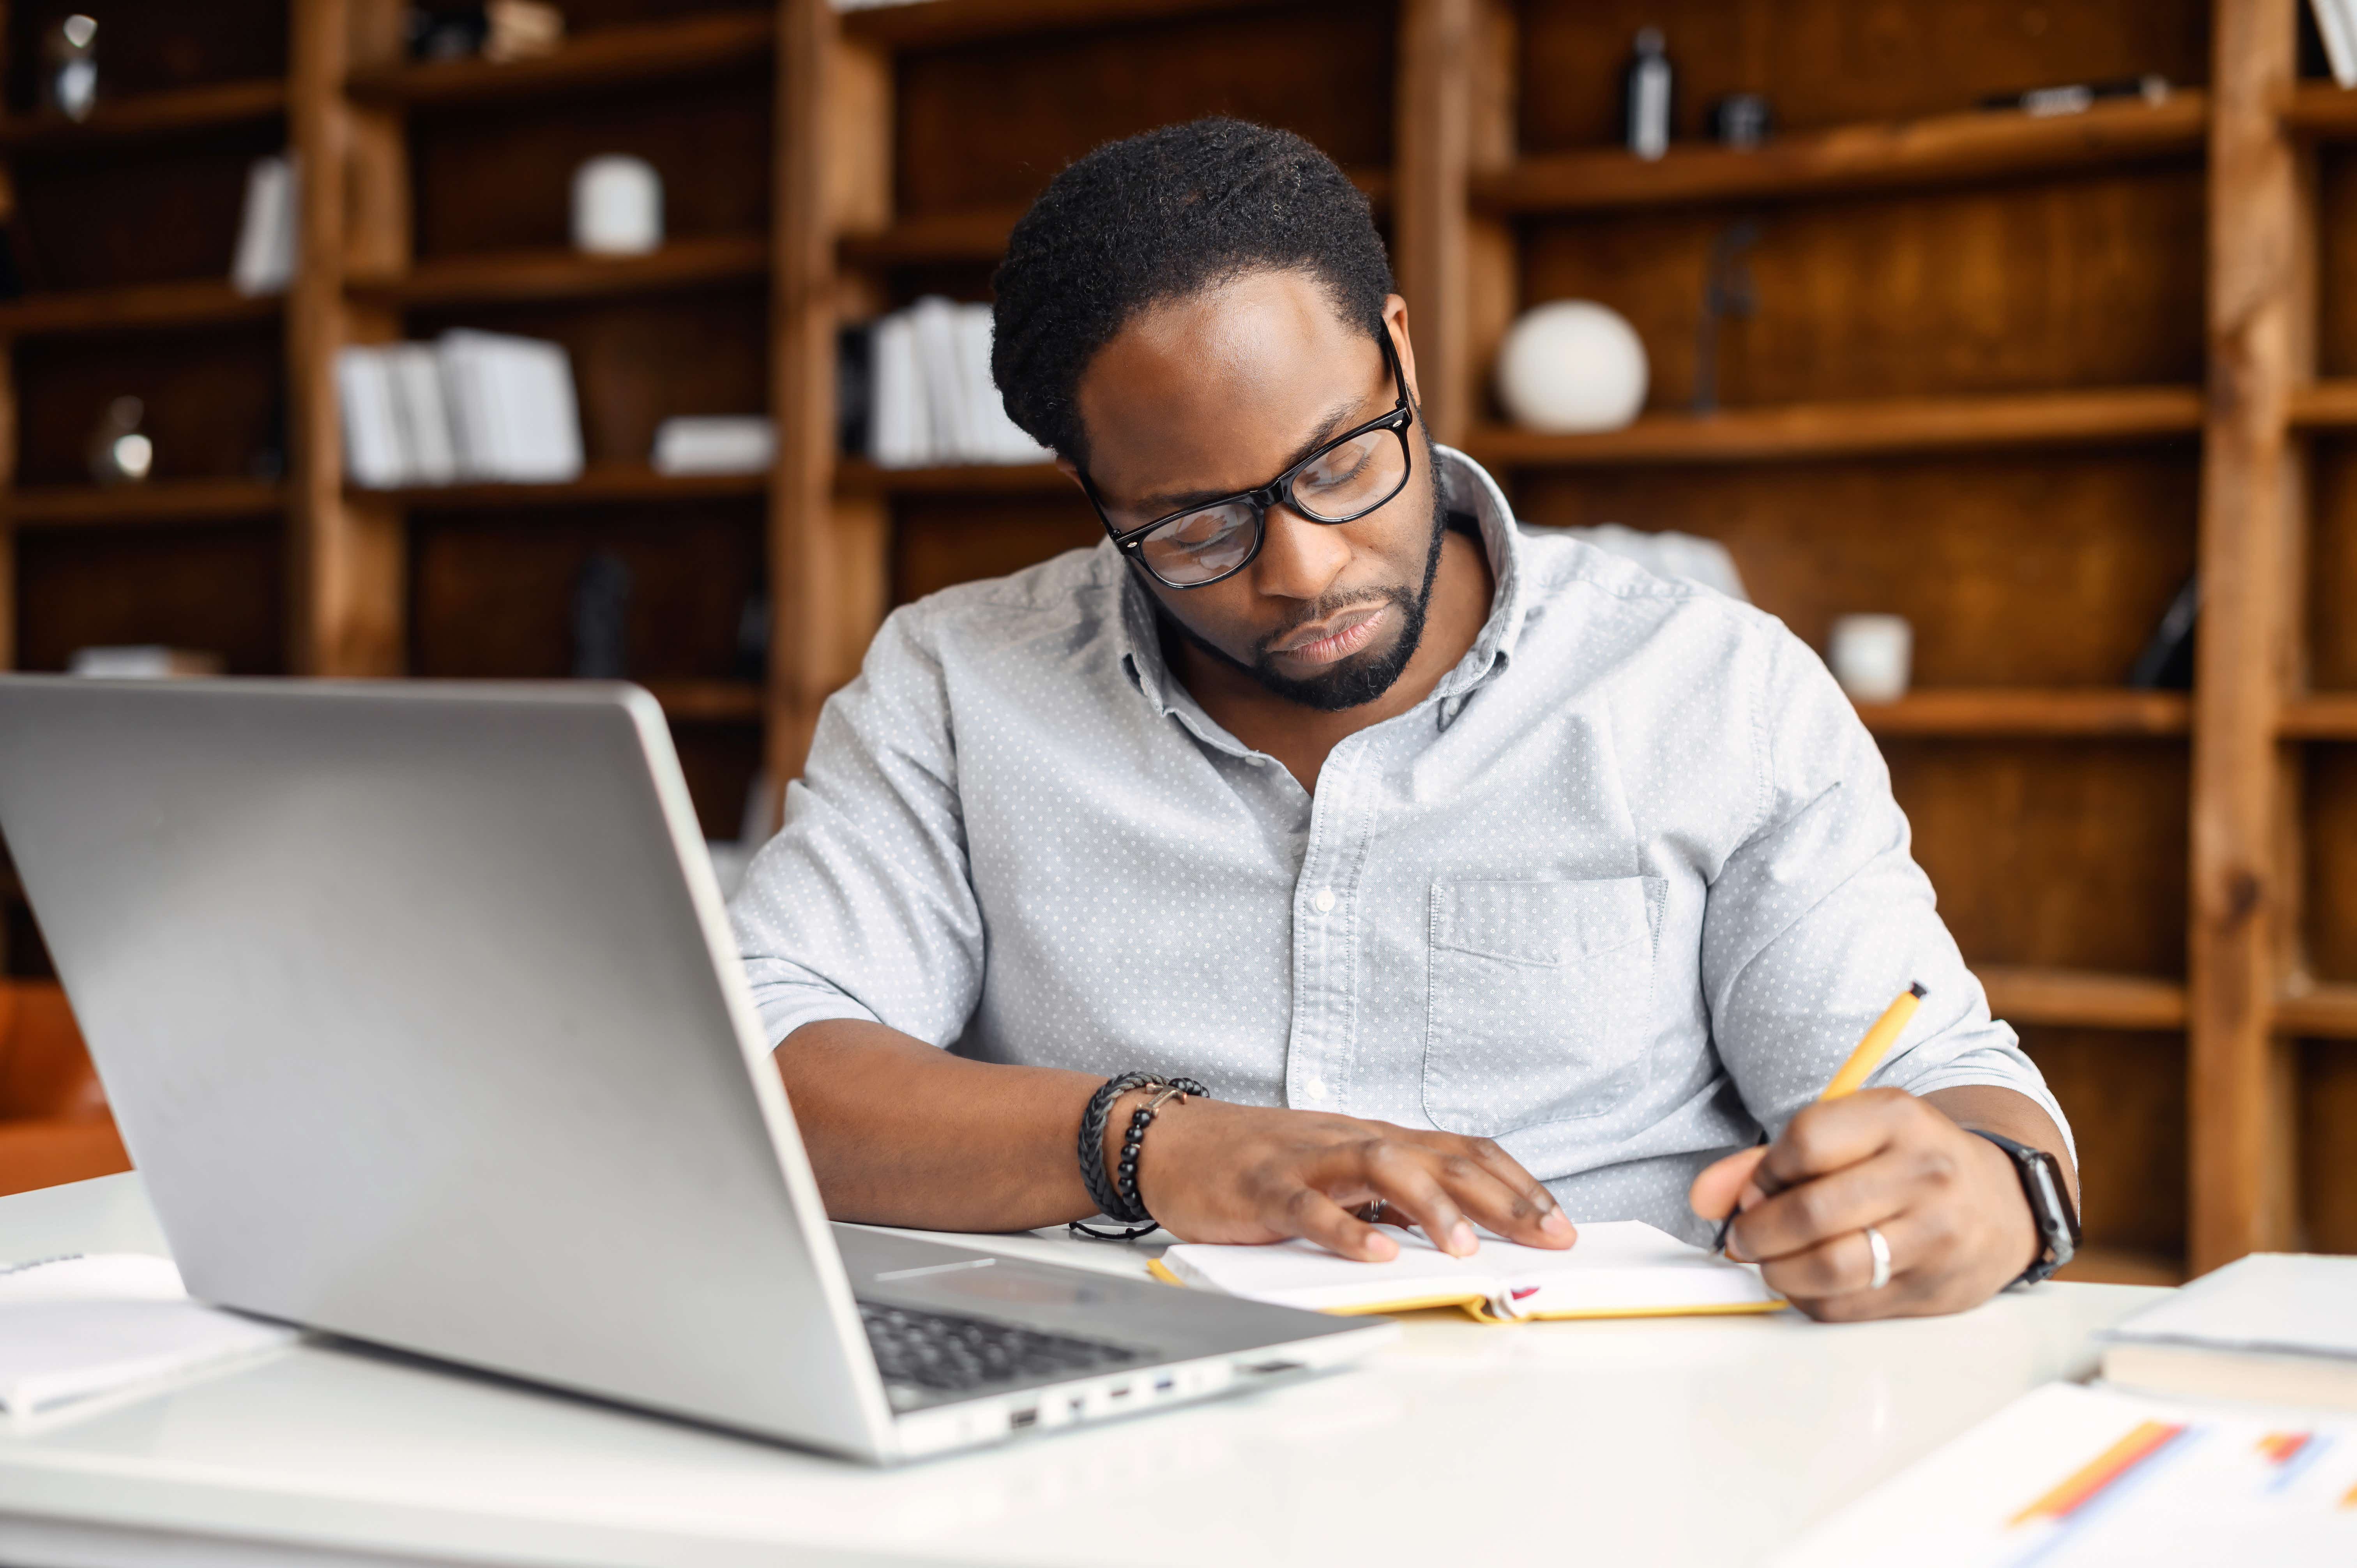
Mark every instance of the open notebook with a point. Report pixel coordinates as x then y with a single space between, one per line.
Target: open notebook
1620 1268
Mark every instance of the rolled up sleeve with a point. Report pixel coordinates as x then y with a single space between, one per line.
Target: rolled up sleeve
1821 916
862 905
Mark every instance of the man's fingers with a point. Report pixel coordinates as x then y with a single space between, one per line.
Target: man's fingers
1311 1214
1486 1153
1820 1210
1399 1175
1489 1200
1842 1267
1721 1182
1831 1134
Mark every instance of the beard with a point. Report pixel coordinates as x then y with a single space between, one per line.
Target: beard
1355 681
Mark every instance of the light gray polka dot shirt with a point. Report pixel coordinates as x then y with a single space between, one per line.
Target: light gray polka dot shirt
1625 890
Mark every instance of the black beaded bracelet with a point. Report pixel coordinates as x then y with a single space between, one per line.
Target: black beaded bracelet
1119 1197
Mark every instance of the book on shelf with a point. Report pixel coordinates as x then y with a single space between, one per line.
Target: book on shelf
917 392
2274 1327
472 406
714 443
2337 21
265 259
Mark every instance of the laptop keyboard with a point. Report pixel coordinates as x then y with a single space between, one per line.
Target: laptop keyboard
951 1355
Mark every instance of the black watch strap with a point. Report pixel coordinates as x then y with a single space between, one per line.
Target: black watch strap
2050 1206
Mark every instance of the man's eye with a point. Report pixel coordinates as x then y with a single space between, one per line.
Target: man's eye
1339 466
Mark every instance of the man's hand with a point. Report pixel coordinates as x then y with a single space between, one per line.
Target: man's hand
1949 1204
1215 1172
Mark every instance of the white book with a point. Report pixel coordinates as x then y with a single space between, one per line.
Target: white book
75 1328
374 457
1619 1267
998 438
540 417
420 414
935 320
265 260
2337 20
714 443
899 424
2275 1326
466 396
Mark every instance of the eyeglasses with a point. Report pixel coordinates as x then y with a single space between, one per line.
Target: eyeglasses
1354 474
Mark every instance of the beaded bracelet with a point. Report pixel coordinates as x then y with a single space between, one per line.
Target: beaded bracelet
1119 1197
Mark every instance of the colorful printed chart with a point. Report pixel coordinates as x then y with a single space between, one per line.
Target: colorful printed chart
2069 1476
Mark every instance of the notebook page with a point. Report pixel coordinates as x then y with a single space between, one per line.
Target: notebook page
2269 1301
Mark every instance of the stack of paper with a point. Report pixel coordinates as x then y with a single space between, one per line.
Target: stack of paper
714 443
74 1328
2273 1327
931 399
265 262
1621 1268
2068 1476
472 406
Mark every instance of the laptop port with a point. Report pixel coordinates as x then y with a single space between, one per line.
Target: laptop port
1165 1383
1271 1368
1023 1418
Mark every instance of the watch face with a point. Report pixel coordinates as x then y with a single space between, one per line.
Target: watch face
2045 1172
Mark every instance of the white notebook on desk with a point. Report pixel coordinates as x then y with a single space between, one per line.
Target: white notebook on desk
1620 1268
75 1328
2274 1327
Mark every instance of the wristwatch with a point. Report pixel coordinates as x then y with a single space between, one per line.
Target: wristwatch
2050 1206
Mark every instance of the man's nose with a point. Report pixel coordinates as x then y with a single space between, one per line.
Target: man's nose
1299 559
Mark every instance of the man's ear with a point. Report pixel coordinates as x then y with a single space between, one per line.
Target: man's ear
1395 322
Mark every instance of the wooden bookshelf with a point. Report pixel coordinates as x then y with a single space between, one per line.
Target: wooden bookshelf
940 24
605 483
2078 999
167 501
2324 1009
1802 431
859 477
1918 155
133 306
709 702
608 57
520 277
150 114
1993 712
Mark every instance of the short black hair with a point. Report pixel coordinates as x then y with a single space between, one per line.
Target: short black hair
1158 217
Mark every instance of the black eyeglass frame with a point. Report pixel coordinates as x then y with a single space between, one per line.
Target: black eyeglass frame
1278 491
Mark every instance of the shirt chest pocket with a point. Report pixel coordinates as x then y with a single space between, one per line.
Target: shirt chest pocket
1536 1000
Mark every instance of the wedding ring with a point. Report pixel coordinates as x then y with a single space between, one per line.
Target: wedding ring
1372 1213
1881 1259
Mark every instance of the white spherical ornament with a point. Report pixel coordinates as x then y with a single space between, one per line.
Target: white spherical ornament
1571 365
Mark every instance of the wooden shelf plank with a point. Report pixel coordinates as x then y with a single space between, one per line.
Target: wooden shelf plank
149 115
2121 1267
602 484
2071 998
709 702
603 58
2319 715
570 274
2096 711
2323 1010
979 234
2329 404
1946 149
197 303
1861 428
2323 112
164 502
856 475
939 23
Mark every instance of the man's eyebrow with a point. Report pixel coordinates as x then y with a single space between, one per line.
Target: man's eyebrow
1168 501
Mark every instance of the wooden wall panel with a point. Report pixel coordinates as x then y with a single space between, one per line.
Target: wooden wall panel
213 400
2329 783
639 361
491 592
2327 1104
219 590
2336 324
589 16
938 541
147 45
2124 1097
2069 854
1839 61
2331 653
498 177
720 761
1323 69
2090 282
2017 570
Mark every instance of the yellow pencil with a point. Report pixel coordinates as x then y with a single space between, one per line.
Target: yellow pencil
1879 1039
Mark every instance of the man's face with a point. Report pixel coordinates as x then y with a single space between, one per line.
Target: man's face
1222 392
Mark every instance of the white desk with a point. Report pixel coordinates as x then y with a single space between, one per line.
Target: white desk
1705 1441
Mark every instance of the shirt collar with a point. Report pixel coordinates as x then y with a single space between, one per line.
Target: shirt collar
1466 487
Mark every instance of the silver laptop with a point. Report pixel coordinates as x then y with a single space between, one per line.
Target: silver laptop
419 1011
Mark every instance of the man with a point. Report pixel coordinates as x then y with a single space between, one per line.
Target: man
1480 878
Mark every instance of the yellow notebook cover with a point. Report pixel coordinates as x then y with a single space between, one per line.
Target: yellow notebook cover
1621 1268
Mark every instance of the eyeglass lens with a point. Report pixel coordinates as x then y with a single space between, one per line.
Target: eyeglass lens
1351 479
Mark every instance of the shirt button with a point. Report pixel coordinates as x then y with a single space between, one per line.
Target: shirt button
1324 902
1315 1087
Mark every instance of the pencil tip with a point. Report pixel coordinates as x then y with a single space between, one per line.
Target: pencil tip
1917 991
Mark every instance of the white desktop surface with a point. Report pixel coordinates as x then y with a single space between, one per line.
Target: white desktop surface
1663 1441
